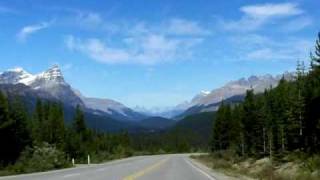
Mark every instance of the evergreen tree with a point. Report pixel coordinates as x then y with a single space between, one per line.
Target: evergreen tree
37 122
221 138
21 133
315 57
56 124
79 122
6 132
252 127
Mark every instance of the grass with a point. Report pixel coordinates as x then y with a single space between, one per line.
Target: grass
294 166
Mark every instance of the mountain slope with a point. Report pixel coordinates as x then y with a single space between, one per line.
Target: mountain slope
52 82
156 123
232 91
116 109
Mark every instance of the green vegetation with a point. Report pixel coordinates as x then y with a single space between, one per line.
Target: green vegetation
40 140
187 135
278 124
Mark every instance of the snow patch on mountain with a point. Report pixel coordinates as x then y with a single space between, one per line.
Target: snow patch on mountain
52 82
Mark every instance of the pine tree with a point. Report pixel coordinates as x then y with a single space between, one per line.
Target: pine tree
37 122
21 133
6 132
56 124
315 57
221 139
79 122
252 127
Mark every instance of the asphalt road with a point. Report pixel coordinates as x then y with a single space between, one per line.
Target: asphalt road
159 167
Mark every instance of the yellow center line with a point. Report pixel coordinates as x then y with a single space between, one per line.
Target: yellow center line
145 171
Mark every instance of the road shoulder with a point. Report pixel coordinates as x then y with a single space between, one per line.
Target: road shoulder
215 174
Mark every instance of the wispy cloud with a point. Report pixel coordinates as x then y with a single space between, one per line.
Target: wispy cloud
185 27
27 31
150 49
174 26
271 10
297 24
97 50
253 47
138 41
255 16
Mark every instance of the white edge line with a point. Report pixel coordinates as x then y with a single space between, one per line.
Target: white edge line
71 175
200 170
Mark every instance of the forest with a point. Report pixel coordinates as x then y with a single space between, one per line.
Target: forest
281 125
284 118
41 138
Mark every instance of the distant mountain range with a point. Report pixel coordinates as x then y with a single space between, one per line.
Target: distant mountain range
51 85
110 115
232 92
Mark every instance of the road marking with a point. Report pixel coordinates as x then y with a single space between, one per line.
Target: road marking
200 170
145 171
101 169
71 175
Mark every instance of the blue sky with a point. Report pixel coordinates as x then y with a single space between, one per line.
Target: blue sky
157 52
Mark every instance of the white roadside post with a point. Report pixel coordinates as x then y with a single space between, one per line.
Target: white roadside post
88 159
72 161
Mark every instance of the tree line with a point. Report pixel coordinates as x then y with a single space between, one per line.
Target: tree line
44 133
22 130
280 120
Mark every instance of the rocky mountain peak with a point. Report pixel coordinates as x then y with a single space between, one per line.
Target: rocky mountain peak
52 74
15 76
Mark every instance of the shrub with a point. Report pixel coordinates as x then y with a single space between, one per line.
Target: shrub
312 163
41 158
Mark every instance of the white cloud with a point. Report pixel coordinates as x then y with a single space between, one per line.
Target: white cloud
91 19
271 10
253 47
138 41
173 26
97 50
297 24
255 16
185 27
26 31
148 49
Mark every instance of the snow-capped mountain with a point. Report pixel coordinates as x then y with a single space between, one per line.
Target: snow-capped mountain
209 101
52 82
238 87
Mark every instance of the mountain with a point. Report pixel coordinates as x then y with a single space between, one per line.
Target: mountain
116 109
233 91
156 123
197 128
165 112
51 83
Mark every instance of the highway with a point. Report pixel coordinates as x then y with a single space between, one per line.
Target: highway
158 167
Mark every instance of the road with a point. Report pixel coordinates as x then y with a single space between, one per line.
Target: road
158 167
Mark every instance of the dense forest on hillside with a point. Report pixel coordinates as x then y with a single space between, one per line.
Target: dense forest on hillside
281 121
43 134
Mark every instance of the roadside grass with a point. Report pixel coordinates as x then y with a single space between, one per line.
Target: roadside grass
293 166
